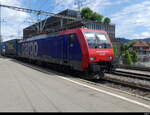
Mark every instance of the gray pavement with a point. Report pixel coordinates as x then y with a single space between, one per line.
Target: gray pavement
25 89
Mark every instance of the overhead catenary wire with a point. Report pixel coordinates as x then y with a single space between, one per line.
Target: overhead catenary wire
80 4
49 5
38 12
41 25
39 18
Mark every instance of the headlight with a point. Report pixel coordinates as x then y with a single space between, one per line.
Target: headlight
110 57
92 58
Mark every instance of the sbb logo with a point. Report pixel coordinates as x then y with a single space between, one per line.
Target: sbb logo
30 49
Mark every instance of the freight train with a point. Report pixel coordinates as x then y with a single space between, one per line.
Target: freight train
84 50
9 48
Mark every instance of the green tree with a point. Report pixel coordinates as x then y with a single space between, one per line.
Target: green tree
87 13
97 17
107 20
115 50
134 56
129 56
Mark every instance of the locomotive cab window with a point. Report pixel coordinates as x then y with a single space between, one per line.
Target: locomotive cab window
97 40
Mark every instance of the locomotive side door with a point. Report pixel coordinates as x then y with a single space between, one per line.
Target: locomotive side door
74 52
66 49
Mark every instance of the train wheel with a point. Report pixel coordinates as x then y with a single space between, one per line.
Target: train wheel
99 75
94 76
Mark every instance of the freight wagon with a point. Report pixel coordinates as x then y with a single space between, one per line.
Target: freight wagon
9 48
2 48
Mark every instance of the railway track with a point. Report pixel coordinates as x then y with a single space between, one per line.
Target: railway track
135 68
127 83
140 76
140 82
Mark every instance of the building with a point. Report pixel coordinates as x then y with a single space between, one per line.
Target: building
143 50
51 24
55 24
110 28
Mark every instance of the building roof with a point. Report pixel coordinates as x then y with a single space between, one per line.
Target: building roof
148 50
141 44
54 24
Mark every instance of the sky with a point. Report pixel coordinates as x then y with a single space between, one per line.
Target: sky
131 17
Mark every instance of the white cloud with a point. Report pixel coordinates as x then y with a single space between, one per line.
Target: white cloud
97 5
131 18
14 20
142 35
127 20
118 2
63 4
11 2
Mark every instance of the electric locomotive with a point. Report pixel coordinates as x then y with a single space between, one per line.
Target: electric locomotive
97 51
85 50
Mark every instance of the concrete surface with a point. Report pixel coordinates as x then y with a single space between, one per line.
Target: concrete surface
25 89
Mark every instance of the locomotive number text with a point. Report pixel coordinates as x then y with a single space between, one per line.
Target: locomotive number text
30 49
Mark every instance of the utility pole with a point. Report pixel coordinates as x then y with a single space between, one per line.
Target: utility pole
1 20
80 4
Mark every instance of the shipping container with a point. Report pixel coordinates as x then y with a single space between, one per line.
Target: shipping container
10 48
2 48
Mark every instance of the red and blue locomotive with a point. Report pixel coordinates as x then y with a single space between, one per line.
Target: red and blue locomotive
84 50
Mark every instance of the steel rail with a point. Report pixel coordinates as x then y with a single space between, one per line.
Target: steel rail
135 68
132 75
128 84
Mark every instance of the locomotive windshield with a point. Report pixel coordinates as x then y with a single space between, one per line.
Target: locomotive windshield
97 40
